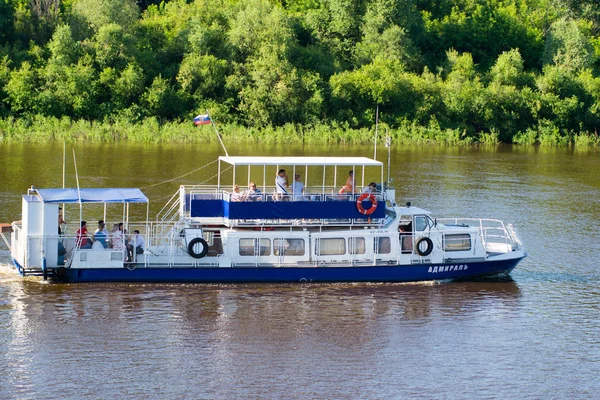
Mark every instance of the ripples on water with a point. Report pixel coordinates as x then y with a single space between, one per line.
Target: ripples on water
534 336
461 339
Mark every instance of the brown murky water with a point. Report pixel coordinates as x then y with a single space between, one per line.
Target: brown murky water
535 336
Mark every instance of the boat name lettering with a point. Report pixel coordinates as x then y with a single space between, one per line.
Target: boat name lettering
447 268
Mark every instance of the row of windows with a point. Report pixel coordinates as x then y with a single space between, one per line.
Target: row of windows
324 246
338 246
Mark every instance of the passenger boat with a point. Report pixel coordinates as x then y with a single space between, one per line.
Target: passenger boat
211 233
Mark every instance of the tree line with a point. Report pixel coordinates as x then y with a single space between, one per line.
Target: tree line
524 71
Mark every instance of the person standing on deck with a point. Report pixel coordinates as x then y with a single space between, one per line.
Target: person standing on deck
61 220
298 188
281 185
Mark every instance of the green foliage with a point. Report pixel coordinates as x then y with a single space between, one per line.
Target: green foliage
450 71
568 45
99 13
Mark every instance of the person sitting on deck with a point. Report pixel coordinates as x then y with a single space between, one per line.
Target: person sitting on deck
101 234
81 239
102 227
350 182
371 189
137 246
281 185
237 195
348 188
253 193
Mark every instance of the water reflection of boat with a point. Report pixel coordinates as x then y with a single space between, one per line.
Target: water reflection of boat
267 233
340 314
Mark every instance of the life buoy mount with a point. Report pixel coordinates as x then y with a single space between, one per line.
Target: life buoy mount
191 248
424 251
359 203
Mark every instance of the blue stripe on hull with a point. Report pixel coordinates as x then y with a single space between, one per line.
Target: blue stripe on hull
409 273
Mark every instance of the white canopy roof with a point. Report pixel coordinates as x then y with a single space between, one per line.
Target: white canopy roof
92 195
285 161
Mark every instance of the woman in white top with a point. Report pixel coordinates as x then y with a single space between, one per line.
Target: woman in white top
117 239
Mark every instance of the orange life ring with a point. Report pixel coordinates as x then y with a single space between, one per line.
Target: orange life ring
360 207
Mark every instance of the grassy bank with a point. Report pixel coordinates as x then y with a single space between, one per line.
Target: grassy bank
150 130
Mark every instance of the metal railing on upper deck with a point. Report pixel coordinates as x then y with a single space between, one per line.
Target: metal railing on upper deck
202 204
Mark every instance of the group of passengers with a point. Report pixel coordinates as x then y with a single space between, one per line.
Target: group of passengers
282 189
116 239
252 194
282 186
350 186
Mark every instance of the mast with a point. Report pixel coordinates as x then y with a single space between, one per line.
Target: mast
388 144
217 132
376 132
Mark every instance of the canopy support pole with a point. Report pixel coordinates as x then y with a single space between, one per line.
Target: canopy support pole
78 190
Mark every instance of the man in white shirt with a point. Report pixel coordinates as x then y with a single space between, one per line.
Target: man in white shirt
138 244
281 185
298 188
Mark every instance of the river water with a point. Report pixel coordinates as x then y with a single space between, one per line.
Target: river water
535 336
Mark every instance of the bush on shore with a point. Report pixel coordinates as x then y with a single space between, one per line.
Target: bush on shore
150 130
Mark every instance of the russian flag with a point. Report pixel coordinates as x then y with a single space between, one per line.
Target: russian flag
203 119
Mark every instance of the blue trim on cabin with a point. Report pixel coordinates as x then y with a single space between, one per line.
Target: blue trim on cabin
332 209
392 273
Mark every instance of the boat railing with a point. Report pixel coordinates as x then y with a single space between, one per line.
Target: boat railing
169 207
306 196
269 193
495 235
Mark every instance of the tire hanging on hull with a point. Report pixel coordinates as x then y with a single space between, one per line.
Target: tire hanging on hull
193 244
427 250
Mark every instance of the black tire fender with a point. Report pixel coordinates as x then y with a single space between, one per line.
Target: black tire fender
193 243
427 250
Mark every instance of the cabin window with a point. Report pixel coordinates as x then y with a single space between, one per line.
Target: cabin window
459 242
356 245
382 245
421 223
250 247
330 247
288 247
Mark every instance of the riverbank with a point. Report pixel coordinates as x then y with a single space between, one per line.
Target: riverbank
151 130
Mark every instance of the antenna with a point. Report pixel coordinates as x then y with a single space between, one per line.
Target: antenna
376 132
217 132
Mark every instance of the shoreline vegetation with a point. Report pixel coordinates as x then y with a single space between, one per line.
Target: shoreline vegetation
151 130
302 71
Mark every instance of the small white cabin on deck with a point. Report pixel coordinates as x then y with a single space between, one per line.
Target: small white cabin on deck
36 242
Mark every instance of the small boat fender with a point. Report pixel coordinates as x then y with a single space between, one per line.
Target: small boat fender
360 207
193 244
427 251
